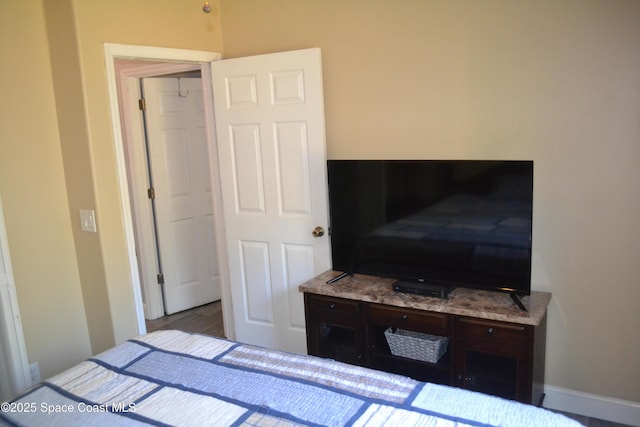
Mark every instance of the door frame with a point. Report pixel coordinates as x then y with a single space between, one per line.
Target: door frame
173 60
15 371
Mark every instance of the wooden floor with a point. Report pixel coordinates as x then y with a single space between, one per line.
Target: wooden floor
207 320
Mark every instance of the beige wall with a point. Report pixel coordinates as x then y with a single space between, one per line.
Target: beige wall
76 155
164 23
57 157
32 184
553 81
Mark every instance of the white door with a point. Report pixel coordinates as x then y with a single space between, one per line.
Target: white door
271 147
180 177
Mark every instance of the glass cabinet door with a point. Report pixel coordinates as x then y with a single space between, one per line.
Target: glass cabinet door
340 342
334 329
489 373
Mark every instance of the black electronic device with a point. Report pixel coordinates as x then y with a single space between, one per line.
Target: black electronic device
426 289
459 223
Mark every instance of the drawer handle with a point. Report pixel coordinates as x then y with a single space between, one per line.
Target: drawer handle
332 306
490 331
405 316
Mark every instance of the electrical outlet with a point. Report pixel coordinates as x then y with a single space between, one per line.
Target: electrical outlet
35 372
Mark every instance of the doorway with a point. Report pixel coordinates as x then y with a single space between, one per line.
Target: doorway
166 148
126 67
272 171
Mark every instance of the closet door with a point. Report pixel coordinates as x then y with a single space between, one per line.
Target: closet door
180 172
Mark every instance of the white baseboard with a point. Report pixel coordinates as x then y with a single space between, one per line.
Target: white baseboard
591 405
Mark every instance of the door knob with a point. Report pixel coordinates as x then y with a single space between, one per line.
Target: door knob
318 232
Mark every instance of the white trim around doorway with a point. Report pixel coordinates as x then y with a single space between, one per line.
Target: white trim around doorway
188 59
15 373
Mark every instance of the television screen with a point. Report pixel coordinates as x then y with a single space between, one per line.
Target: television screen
445 222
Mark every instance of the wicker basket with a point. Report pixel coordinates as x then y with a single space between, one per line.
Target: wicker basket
416 345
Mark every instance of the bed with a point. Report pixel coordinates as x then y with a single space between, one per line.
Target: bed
176 378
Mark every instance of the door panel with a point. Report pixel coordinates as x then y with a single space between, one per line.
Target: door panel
271 147
183 199
256 283
299 266
248 182
293 168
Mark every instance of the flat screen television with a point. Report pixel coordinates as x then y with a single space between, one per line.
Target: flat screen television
456 223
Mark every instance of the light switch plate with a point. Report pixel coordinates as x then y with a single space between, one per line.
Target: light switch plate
88 221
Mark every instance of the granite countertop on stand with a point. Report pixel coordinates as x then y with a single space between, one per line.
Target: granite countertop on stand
461 301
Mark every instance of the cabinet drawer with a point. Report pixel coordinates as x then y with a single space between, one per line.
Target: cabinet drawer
322 304
404 318
493 331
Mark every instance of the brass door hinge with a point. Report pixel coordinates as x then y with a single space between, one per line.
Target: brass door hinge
151 193
160 279
142 104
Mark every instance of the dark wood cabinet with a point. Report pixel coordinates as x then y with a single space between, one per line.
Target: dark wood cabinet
496 357
334 328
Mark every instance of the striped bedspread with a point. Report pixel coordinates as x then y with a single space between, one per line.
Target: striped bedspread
175 378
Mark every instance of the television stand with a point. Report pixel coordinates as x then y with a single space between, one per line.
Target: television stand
516 298
492 346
